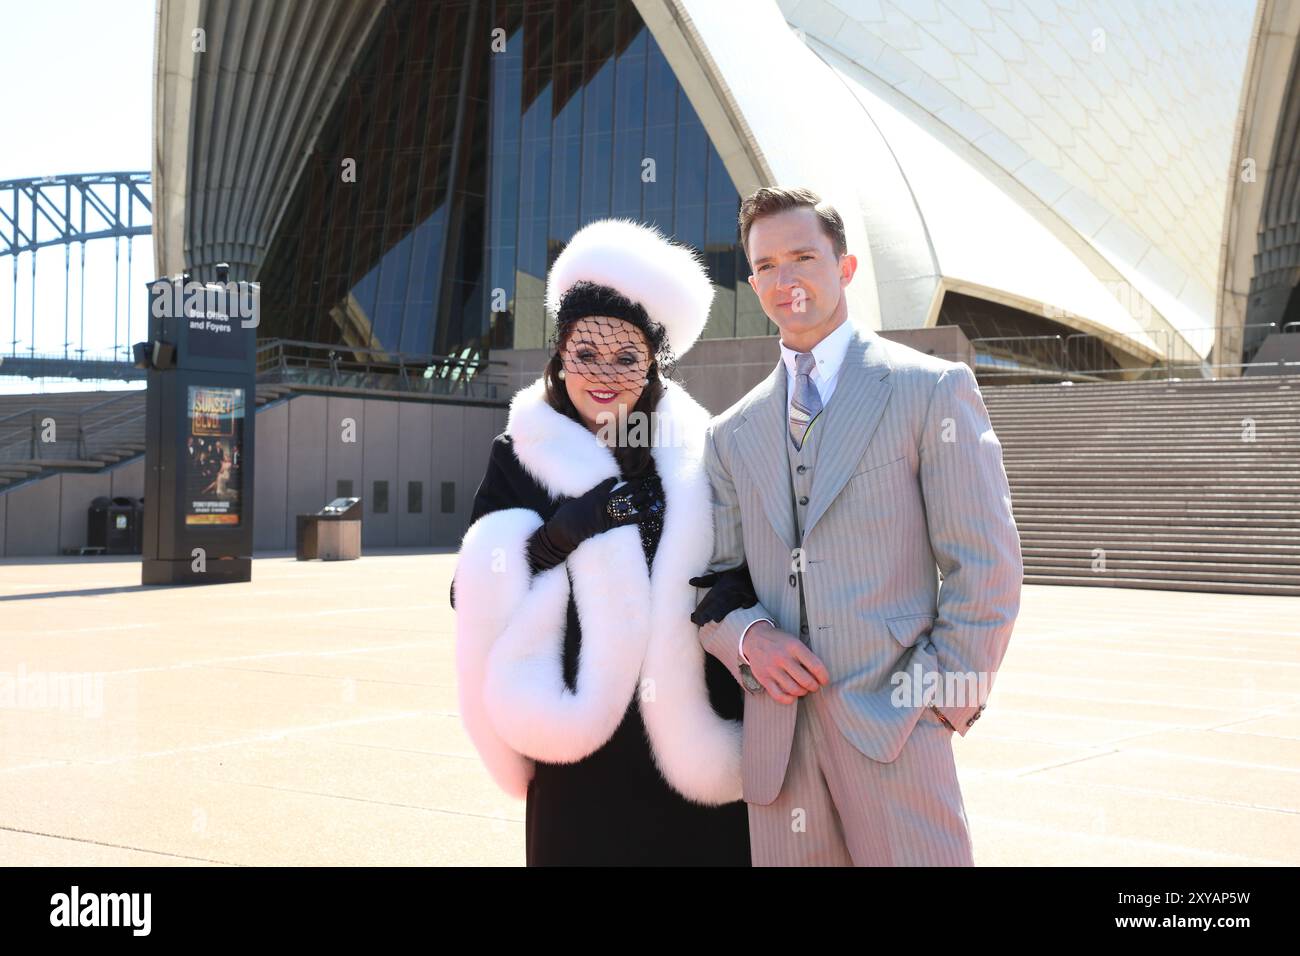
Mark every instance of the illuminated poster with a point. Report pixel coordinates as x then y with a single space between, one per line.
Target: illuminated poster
214 474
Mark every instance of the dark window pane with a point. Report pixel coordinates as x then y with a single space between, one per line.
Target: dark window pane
566 134
448 497
629 124
660 138
691 174
598 111
343 488
722 233
379 501
534 179
503 188
415 497
473 168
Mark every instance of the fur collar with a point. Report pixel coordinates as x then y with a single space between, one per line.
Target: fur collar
567 459
638 641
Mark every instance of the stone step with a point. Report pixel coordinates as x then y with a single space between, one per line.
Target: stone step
1054 440
1167 517
1161 584
1281 478
1196 546
1134 410
1135 404
1140 496
1233 518
1209 538
1143 434
1169 571
1121 391
1156 484
1206 511
1131 459
1276 561
1097 478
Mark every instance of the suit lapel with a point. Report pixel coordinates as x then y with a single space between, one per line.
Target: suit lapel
852 414
759 439
850 419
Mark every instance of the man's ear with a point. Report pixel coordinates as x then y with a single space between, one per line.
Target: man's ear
848 266
753 283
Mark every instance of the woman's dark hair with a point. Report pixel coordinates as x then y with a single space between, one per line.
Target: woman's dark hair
633 461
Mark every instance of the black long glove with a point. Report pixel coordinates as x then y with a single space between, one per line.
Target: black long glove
728 590
593 513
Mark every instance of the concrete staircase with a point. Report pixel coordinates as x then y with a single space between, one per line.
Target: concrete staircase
94 430
1161 477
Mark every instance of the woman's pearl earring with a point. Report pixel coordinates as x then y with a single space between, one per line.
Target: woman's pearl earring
560 374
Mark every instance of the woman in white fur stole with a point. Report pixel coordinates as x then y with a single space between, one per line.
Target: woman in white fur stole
581 679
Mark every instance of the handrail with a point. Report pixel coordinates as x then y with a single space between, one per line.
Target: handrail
336 364
1172 344
86 356
126 393
391 357
450 374
77 426
25 411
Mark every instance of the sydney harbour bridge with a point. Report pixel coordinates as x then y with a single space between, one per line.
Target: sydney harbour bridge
72 211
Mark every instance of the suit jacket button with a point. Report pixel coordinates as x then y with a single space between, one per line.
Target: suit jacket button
803 500
792 581
801 469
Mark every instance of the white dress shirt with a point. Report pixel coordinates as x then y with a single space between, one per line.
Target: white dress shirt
829 354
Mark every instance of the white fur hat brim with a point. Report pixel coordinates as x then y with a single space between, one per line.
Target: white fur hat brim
666 279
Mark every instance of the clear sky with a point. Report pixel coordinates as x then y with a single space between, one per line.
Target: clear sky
77 98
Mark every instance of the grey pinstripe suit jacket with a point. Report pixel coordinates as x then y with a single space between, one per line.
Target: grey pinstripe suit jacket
908 482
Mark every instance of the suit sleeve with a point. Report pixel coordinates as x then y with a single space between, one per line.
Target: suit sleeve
491 580
974 539
722 638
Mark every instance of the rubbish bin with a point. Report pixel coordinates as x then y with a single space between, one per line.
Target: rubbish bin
331 534
115 524
97 523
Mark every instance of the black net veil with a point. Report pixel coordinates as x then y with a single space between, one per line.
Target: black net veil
615 345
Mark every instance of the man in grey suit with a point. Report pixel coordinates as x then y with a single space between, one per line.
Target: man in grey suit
847 481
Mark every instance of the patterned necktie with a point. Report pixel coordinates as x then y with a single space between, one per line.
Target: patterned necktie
807 401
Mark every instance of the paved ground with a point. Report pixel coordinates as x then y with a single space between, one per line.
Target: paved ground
309 717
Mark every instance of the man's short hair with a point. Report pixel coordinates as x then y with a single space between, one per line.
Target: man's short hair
769 200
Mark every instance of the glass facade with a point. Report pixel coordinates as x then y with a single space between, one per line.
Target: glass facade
469 143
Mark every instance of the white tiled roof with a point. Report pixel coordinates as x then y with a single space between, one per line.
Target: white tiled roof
1117 116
